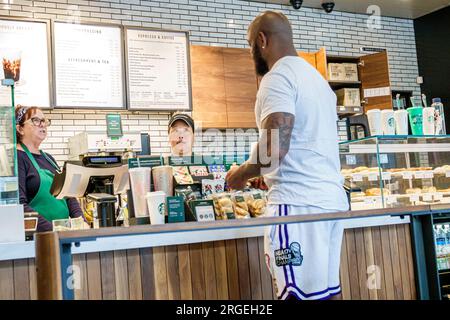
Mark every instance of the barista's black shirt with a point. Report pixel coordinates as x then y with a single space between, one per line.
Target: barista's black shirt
29 183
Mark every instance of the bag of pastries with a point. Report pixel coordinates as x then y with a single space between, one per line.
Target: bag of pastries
241 209
256 202
223 206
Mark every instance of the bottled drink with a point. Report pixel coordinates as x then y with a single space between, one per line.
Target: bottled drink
439 116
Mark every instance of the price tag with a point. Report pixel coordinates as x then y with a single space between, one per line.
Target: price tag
391 199
407 175
428 175
384 158
447 174
350 159
370 200
427 197
438 196
357 177
386 175
414 198
419 175
342 108
373 177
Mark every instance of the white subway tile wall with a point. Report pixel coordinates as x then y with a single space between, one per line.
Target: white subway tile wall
219 23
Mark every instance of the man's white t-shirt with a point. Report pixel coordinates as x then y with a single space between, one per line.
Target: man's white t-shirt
309 175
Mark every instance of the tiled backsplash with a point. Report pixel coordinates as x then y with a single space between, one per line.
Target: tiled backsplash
218 23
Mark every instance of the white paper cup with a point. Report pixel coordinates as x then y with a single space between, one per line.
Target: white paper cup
140 185
428 121
401 122
388 122
374 119
156 202
163 179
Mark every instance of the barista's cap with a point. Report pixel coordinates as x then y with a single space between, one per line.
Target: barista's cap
183 117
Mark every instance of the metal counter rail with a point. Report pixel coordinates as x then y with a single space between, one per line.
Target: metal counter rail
54 249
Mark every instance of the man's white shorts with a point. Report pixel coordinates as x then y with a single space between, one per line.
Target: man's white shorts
304 258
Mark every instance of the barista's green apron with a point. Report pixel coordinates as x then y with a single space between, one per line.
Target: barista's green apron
43 202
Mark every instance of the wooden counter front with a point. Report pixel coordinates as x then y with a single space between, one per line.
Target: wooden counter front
230 269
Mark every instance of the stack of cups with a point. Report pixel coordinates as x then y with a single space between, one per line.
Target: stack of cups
374 118
163 179
140 185
388 122
156 202
401 122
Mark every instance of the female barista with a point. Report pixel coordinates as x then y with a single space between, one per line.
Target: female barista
37 169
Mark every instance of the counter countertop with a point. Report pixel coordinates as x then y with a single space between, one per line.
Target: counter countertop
121 238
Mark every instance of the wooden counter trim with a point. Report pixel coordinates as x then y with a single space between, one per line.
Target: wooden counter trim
68 236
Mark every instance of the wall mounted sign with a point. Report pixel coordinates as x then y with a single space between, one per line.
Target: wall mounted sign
158 70
24 52
88 66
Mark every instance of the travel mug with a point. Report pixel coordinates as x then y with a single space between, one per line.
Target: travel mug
428 121
415 120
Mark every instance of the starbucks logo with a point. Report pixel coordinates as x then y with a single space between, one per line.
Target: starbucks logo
391 122
162 208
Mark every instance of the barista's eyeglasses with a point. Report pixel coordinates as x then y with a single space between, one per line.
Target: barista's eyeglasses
37 122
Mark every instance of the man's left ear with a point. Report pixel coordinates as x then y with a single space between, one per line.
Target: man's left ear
262 40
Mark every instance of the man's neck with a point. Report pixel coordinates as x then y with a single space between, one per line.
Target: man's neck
290 52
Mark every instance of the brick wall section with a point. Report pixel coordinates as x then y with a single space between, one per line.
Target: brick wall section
219 23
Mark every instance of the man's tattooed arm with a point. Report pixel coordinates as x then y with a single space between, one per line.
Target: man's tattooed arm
276 138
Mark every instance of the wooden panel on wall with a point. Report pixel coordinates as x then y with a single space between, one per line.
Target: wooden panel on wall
160 273
134 274
32 275
387 263
352 264
232 270
240 87
21 280
370 263
254 259
148 274
208 87
220 259
184 266
108 275
6 280
173 277
378 262
362 267
268 290
81 281
344 272
197 272
243 269
121 275
94 276
321 62
375 74
209 269
309 57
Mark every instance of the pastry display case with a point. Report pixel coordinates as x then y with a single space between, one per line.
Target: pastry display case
396 171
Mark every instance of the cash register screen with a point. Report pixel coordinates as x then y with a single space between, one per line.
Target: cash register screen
102 160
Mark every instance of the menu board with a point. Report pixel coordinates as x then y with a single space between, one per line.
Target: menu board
158 70
88 66
25 58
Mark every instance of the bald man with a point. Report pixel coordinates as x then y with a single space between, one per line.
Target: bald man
296 107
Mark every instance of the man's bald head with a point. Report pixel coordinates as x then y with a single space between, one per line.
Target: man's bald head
270 38
272 24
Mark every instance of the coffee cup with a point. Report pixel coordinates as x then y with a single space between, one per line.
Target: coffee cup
156 202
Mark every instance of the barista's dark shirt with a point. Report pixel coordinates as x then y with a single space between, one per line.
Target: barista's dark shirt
29 182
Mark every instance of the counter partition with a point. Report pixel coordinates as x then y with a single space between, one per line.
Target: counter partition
54 249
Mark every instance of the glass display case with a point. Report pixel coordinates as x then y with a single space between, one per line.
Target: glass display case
8 156
396 171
